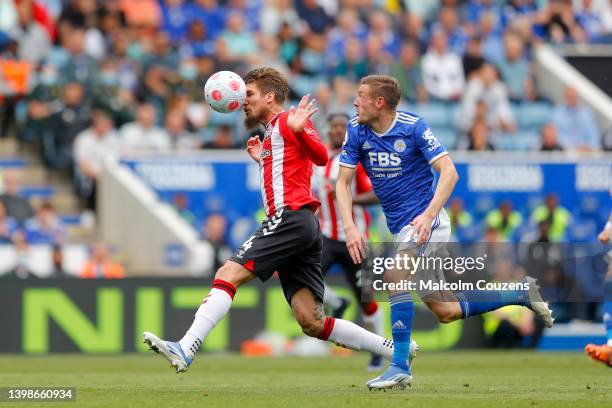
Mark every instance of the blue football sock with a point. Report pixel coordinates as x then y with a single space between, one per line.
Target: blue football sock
476 302
607 315
402 312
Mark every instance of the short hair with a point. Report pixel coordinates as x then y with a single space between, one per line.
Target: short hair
384 86
334 115
268 80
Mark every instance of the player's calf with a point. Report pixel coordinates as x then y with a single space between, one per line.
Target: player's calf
445 312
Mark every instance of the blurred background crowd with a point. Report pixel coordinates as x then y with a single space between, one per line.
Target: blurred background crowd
131 71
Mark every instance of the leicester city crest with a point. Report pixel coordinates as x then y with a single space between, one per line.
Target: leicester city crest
399 145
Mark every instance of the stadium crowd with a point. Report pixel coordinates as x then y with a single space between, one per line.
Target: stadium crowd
464 65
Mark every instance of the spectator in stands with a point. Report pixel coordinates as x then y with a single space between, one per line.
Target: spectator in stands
549 140
69 118
352 65
197 41
33 39
214 231
504 220
8 226
473 59
16 206
92 148
180 138
560 23
479 137
459 218
46 227
100 265
143 135
558 217
16 81
175 19
222 139
448 21
488 88
407 70
180 203
212 15
590 19
110 96
57 259
79 66
25 263
380 27
276 12
575 122
490 35
315 17
162 54
514 70
347 26
236 45
378 58
442 70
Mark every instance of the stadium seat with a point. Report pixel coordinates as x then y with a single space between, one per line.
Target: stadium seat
520 141
437 115
12 162
533 114
44 192
447 136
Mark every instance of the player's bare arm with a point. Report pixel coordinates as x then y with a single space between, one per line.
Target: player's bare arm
446 183
355 241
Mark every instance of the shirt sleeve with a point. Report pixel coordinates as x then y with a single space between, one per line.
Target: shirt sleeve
351 149
364 185
310 141
427 143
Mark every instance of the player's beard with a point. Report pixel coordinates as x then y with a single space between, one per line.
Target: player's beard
250 122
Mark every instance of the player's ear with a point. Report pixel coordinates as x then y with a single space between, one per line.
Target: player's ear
269 97
380 102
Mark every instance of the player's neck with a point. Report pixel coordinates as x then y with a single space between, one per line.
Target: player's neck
384 121
271 114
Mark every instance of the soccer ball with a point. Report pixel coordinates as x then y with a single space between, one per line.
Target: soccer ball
225 91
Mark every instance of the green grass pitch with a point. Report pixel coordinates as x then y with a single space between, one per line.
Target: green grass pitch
458 379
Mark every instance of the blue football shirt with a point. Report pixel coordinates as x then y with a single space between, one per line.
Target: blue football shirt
398 163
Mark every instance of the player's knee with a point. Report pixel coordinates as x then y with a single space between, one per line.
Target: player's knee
311 326
231 272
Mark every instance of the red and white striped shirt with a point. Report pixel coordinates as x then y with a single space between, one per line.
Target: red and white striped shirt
329 214
286 165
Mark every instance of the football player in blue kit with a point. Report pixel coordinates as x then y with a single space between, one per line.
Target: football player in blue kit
398 151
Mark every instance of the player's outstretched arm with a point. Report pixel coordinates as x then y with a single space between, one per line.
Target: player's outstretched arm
446 183
355 241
